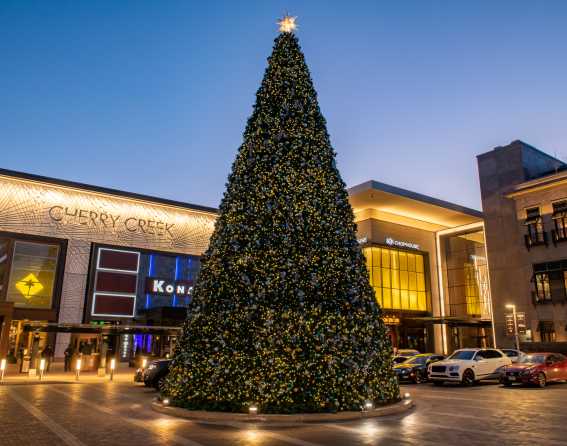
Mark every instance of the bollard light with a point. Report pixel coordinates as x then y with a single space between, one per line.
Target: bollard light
112 367
77 369
41 368
144 363
253 410
165 401
368 405
2 369
406 395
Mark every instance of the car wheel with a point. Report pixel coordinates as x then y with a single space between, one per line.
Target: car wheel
437 383
505 383
468 378
541 380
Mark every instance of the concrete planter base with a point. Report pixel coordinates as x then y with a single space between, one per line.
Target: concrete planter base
280 419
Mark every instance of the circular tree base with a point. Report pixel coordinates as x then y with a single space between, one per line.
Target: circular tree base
281 419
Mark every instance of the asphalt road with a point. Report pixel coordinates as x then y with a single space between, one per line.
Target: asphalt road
119 414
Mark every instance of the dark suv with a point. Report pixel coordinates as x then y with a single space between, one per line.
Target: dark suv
414 369
156 372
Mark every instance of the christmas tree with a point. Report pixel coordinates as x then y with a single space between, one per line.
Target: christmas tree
283 316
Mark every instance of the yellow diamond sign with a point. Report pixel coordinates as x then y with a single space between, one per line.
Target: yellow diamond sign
29 286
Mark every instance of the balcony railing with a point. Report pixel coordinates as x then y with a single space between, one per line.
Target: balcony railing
535 239
558 236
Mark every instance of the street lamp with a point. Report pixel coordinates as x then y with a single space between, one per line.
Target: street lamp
78 369
2 369
41 368
516 335
112 367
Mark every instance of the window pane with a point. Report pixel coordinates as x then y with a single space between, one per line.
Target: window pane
403 261
394 264
419 263
395 278
385 277
376 257
411 262
413 300
396 299
421 282
404 295
385 258
376 277
387 297
404 284
422 301
412 281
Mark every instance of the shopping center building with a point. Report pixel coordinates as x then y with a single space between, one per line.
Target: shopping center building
98 270
93 268
428 266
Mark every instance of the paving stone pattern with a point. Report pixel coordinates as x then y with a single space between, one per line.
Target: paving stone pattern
77 414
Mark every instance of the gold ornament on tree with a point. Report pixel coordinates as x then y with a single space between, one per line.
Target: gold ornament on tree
287 24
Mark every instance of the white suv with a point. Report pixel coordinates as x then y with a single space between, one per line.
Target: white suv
468 366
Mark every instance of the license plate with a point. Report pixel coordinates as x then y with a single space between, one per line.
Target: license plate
511 378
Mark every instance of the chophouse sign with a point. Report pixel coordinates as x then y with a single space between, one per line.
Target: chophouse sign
402 244
85 217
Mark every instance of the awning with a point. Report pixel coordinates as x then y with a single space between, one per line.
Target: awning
105 329
454 321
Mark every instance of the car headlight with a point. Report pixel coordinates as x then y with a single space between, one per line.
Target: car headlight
152 366
453 368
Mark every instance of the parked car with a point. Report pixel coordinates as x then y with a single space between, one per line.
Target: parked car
155 373
468 366
414 369
512 353
536 369
403 354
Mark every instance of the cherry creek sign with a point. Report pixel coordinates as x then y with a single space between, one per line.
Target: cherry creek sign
168 287
85 217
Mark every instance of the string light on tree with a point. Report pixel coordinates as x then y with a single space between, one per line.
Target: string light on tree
287 24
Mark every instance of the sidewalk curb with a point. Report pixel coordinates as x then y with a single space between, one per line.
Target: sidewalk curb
229 417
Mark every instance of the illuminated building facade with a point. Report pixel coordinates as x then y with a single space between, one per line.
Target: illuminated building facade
87 266
427 264
80 263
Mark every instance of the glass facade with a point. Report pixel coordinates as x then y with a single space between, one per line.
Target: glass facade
466 271
398 278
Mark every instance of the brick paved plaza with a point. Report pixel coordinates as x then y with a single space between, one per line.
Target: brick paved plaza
118 413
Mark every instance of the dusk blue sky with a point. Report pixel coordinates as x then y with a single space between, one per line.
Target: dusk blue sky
153 96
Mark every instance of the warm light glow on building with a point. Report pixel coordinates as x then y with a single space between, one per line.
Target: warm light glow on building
398 278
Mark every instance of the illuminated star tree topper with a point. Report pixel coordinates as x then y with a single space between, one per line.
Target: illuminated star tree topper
287 24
